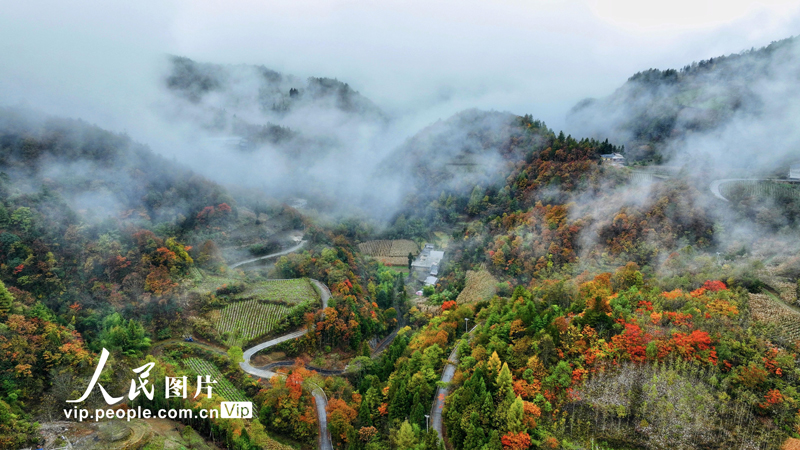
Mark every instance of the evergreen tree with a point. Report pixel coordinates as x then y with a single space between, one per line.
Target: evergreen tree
494 442
5 300
4 217
476 437
417 411
431 440
515 416
382 299
405 436
493 369
505 384
487 409
398 406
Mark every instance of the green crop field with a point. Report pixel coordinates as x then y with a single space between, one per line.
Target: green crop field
210 283
248 319
223 388
289 291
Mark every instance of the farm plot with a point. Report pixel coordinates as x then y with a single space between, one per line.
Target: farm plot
246 320
390 252
211 283
376 248
223 388
480 285
766 308
758 189
288 291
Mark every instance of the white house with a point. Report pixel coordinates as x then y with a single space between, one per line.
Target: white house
427 262
616 159
794 171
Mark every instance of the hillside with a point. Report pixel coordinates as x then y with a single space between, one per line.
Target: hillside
470 147
656 108
99 240
578 303
611 324
249 107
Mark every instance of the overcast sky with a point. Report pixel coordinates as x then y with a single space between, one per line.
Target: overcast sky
99 60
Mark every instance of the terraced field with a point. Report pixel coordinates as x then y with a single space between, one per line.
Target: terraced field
210 283
248 319
223 388
257 309
757 188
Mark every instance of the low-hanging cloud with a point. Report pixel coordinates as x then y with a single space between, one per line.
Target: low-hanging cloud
418 62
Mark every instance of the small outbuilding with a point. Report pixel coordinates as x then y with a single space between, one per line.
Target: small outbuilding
615 159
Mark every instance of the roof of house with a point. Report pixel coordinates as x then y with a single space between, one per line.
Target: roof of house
429 259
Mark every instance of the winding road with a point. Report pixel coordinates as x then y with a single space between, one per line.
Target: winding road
716 184
441 392
320 399
271 255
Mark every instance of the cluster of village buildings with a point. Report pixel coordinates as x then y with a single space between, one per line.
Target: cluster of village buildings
426 267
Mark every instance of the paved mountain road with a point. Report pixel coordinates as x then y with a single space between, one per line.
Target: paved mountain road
271 255
320 399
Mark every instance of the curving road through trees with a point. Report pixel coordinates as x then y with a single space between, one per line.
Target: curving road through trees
320 399
717 184
441 392
271 255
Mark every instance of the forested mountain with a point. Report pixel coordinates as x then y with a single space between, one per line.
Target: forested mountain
472 147
578 304
655 108
262 107
610 324
96 249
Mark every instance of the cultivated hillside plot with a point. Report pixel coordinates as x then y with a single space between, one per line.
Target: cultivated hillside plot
390 252
480 285
257 308
768 308
288 291
243 321
223 387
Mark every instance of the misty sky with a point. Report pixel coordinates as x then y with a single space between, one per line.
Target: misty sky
100 60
